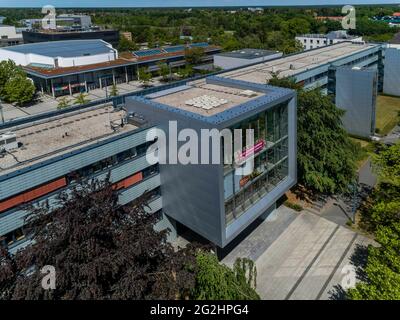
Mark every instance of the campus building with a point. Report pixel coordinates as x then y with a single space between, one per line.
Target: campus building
219 199
66 67
72 33
315 68
243 57
9 36
312 41
40 158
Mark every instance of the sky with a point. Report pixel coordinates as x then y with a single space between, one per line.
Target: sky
178 3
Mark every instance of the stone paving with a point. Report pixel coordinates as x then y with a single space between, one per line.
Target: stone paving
302 255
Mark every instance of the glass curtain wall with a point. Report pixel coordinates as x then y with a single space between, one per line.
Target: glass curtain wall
270 153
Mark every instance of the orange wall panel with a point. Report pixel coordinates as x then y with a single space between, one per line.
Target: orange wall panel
32 194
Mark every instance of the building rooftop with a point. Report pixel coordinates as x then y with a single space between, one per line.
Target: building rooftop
297 63
248 53
213 100
69 48
61 134
200 96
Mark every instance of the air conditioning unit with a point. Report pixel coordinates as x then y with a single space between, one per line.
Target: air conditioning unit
8 141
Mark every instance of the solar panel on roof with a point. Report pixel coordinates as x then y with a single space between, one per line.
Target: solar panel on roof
199 45
174 49
149 52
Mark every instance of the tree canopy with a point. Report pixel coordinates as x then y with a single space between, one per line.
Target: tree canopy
101 250
15 87
381 215
326 157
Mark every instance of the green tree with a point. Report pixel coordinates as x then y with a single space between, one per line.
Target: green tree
164 71
326 155
126 45
114 91
63 103
8 69
193 55
144 76
382 269
383 206
19 89
215 281
81 98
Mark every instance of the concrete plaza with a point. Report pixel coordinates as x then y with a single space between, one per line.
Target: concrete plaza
299 256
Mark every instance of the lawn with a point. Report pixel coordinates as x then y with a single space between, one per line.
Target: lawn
387 108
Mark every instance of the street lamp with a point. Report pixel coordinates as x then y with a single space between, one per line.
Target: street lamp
1 112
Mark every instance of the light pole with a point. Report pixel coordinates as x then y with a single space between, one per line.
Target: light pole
1 112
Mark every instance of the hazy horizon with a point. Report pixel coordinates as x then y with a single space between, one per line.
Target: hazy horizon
179 3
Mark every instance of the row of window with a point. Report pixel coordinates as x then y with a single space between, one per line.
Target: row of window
20 234
248 196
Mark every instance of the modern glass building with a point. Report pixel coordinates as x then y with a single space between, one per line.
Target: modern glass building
218 200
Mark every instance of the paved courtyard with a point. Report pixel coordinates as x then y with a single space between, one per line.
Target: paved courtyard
299 255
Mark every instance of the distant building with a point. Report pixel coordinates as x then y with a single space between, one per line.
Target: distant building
34 36
256 10
391 82
66 67
63 20
312 41
2 19
127 35
9 36
356 91
243 57
330 18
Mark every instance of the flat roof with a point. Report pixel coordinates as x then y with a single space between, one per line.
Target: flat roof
61 134
213 100
248 53
297 63
193 90
67 48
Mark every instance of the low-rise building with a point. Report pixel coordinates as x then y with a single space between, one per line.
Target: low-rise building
243 57
67 67
39 159
312 41
9 36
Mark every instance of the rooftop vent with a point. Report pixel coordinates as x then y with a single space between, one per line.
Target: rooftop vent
8 141
206 102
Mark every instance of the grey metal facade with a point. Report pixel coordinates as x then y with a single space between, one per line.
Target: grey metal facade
19 181
391 83
356 91
193 194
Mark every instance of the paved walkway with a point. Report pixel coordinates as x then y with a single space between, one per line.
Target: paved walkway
298 256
